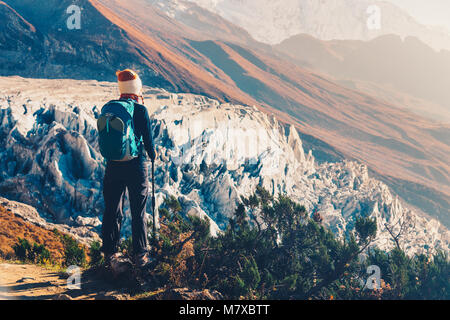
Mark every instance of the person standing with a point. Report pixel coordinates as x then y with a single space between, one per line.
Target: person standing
124 135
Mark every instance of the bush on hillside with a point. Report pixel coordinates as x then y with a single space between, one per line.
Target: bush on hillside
273 249
34 253
74 253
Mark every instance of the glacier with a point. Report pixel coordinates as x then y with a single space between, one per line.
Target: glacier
209 155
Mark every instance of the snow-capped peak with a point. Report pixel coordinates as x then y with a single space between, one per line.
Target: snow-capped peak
272 21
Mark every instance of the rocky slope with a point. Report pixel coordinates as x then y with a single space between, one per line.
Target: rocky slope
209 155
207 24
38 43
272 21
24 221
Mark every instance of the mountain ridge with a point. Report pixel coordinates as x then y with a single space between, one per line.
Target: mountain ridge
156 64
272 22
407 66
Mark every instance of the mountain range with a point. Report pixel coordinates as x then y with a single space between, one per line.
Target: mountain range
396 67
180 47
273 21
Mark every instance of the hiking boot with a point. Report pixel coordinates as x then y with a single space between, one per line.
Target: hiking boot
107 265
108 259
117 264
143 261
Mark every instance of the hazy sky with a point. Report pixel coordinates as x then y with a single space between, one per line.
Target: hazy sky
429 12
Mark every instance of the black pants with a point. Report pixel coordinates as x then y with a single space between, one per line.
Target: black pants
132 175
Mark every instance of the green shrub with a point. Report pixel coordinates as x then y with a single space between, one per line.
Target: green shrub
34 253
95 254
283 254
74 254
126 247
272 249
22 249
41 254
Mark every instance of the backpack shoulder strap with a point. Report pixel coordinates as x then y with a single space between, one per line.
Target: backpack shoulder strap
133 105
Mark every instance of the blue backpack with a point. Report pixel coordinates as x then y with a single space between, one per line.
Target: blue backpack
116 135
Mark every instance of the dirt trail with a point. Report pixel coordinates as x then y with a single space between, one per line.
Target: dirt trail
27 282
32 282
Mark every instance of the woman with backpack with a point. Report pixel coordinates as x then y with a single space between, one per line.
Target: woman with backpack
124 136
